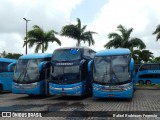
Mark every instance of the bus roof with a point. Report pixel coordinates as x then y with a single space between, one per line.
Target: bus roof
150 64
7 60
36 55
118 51
76 47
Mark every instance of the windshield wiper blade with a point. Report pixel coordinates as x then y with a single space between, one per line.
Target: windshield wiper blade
24 70
116 78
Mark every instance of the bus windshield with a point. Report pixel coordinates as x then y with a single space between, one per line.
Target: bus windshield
66 54
111 69
27 70
66 75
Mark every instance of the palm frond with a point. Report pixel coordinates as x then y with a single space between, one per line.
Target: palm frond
114 35
116 43
78 23
157 30
70 31
136 42
83 28
88 37
38 47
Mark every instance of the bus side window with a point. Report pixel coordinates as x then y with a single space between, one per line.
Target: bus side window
89 53
145 67
86 54
84 70
4 66
155 67
92 53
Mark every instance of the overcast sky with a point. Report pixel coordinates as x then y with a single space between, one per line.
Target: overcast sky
101 16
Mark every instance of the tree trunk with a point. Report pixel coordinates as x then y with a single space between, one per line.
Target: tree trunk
78 42
42 48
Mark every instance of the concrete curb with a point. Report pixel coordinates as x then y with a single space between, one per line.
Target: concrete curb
147 88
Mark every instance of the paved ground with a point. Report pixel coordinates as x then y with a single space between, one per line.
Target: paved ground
144 100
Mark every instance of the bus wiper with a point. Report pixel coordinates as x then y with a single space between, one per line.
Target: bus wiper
106 73
113 73
24 70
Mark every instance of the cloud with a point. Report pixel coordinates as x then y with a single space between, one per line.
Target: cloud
50 14
141 15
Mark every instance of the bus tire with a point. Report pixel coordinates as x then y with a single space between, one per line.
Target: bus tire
141 82
1 88
148 82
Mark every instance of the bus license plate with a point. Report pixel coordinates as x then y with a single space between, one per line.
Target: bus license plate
22 91
111 95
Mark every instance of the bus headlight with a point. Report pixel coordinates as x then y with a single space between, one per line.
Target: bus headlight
97 87
126 86
77 87
35 84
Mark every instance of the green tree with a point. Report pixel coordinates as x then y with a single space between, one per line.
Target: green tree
78 33
123 39
3 54
156 60
12 55
40 38
142 56
157 31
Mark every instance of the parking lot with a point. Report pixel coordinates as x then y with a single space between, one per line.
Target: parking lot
144 100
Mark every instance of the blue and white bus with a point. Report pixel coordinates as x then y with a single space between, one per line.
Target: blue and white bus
6 73
30 74
113 72
70 72
148 73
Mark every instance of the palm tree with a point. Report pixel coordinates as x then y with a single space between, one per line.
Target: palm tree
157 31
78 32
156 60
40 38
123 39
3 54
142 56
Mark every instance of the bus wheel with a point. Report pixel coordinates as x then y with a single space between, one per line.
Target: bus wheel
141 82
148 82
1 88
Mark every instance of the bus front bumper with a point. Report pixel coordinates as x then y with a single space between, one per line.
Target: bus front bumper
77 89
30 89
99 93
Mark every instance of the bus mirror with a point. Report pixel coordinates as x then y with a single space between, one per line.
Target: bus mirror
11 67
82 61
41 66
90 65
131 65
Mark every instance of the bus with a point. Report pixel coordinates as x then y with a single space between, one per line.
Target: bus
113 72
70 71
148 73
31 73
6 73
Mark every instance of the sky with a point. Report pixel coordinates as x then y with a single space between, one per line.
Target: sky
101 16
